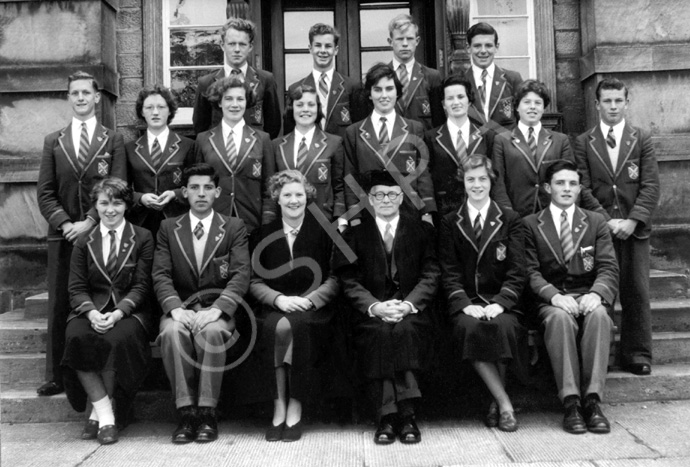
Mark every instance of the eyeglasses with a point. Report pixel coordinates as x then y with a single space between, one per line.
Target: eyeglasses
379 195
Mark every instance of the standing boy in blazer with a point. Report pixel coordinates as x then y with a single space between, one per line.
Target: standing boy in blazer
619 167
573 278
197 251
73 159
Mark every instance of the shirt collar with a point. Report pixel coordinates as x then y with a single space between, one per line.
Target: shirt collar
524 129
453 130
162 138
238 129
477 72
90 124
287 229
118 230
376 118
409 66
206 222
309 135
472 211
556 214
617 129
381 224
317 75
227 69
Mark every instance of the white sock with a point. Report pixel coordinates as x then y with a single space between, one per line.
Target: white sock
94 415
104 412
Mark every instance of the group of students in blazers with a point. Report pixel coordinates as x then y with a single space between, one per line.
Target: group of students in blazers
497 220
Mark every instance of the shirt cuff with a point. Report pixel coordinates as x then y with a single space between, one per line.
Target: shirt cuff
414 309
370 307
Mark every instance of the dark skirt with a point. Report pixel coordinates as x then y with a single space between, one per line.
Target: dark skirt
125 350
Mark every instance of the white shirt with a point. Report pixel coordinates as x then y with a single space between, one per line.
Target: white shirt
309 135
483 212
376 121
618 134
227 69
237 131
162 139
524 129
477 73
453 130
556 215
200 243
105 233
408 66
287 230
76 131
381 224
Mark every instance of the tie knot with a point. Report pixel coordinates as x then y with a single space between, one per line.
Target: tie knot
484 73
111 233
324 76
531 130
388 227
564 215
235 72
83 125
304 139
383 120
294 232
610 129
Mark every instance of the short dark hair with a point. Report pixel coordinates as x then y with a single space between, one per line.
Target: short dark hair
481 29
402 22
608 84
320 29
280 179
378 72
458 80
475 161
114 188
162 91
200 169
82 75
239 24
557 166
295 95
531 85
216 90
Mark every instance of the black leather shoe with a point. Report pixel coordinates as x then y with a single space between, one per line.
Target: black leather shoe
641 369
275 433
385 433
186 429
595 419
572 421
491 419
107 434
508 422
208 425
292 433
409 433
50 389
90 430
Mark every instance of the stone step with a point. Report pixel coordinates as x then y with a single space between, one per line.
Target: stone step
36 306
664 284
20 370
22 336
671 315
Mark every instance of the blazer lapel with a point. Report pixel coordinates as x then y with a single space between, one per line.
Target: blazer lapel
628 143
246 145
580 227
215 237
497 89
492 224
99 140
252 80
67 145
337 90
142 151
368 135
218 144
548 230
183 235
465 226
597 143
444 139
415 81
127 244
475 111
475 139
171 148
517 138
543 145
400 133
318 146
95 246
287 150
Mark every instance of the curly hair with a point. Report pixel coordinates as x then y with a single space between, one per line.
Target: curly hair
295 95
217 90
280 179
475 161
320 29
531 85
162 91
113 188
239 24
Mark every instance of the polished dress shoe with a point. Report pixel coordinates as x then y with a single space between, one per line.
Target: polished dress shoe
508 422
595 419
275 433
572 420
292 433
50 389
186 429
385 433
208 425
90 430
409 433
107 434
640 369
491 419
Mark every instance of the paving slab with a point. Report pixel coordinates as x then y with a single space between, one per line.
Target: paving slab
678 462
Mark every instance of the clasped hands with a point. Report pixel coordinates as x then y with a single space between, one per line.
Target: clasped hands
622 228
391 311
104 322
588 303
152 201
195 321
483 312
293 304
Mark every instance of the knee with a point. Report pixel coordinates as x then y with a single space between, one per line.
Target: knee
172 332
214 333
599 317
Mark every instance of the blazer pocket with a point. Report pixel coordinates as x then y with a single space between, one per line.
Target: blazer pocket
256 113
254 168
631 171
221 267
424 106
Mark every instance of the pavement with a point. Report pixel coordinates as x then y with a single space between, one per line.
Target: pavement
643 434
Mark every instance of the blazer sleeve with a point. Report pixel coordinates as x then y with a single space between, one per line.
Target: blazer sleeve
500 193
49 202
350 166
325 293
162 272
648 194
538 284
452 277
189 160
422 295
119 168
337 172
271 104
238 275
351 276
203 110
587 199
262 292
424 182
79 290
268 168
606 282
141 280
514 282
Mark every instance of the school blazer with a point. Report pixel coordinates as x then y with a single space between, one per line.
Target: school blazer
324 168
63 188
178 154
225 264
406 154
264 114
593 268
422 102
243 184
449 189
342 108
90 286
501 110
631 190
489 271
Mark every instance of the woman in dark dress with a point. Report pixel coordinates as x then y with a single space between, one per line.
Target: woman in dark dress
483 277
155 162
107 350
293 284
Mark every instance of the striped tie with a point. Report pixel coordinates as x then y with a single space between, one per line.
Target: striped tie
383 132
532 142
156 154
111 265
199 231
482 90
388 238
566 238
478 227
83 146
231 149
404 80
323 92
302 155
611 138
235 73
461 149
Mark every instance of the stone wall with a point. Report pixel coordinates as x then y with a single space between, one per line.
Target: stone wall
129 65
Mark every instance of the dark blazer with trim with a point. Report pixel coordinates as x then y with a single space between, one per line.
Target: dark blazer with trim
449 190
405 155
324 168
491 271
342 108
422 101
631 191
263 115
501 109
244 184
63 188
178 154
593 268
225 264
90 286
